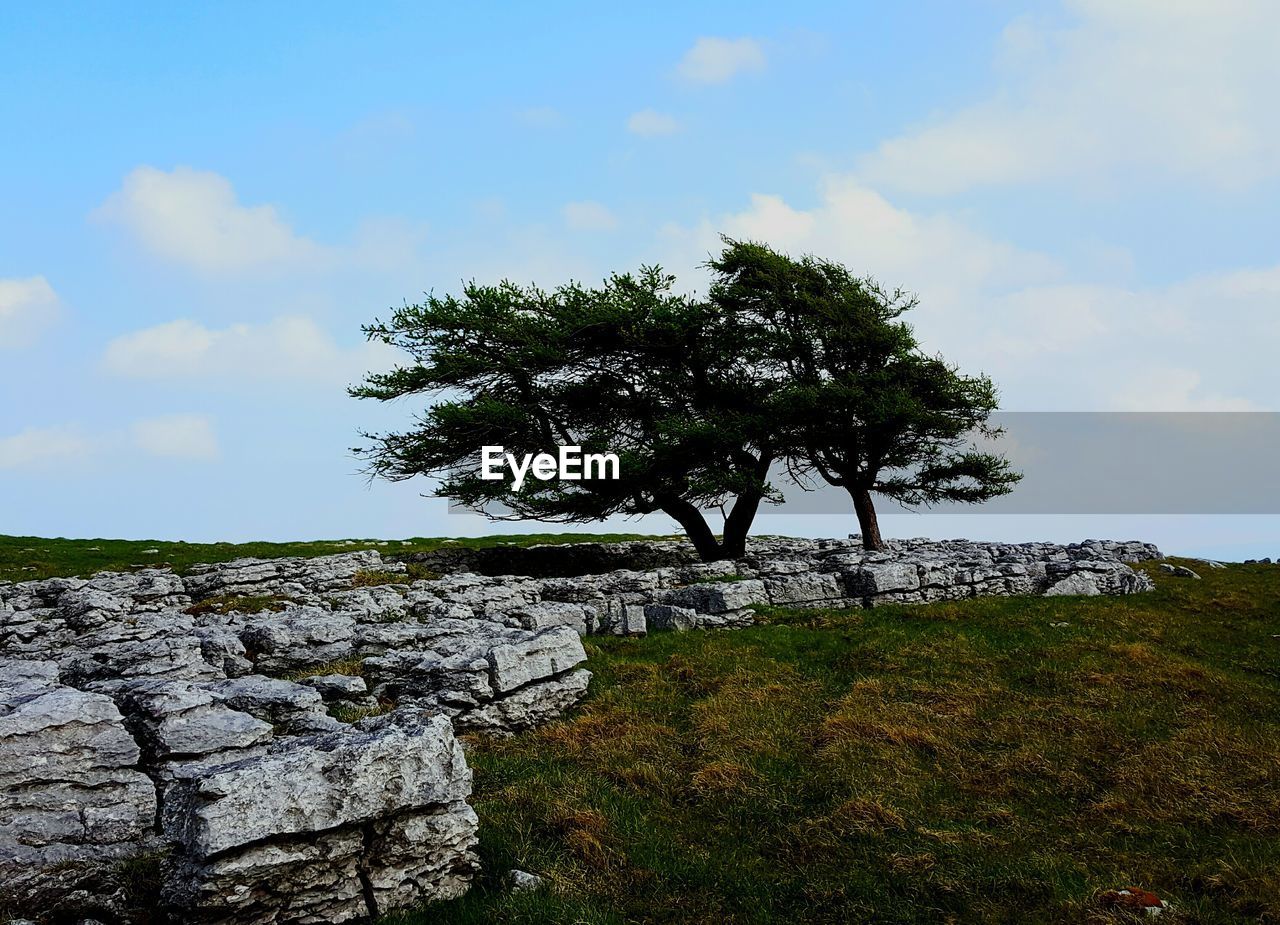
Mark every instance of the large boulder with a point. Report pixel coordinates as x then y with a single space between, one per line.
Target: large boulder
72 800
472 671
358 823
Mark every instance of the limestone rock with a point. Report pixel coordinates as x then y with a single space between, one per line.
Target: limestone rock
298 637
377 812
303 578
670 617
522 881
470 672
1077 583
334 688
293 709
802 588
718 597
71 797
881 577
177 720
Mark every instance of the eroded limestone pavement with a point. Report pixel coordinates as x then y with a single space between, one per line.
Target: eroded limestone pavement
142 733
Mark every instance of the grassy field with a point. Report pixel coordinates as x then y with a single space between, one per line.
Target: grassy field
26 558
985 761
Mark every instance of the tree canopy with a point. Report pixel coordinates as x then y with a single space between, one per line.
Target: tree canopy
793 362
865 408
628 367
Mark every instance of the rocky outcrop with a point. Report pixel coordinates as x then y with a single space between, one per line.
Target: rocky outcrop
214 737
72 800
207 717
312 813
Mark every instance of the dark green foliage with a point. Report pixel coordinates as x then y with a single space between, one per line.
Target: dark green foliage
629 368
865 408
795 361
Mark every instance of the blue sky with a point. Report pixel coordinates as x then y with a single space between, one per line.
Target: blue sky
199 206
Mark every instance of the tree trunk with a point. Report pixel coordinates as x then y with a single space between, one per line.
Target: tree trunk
695 527
867 522
738 524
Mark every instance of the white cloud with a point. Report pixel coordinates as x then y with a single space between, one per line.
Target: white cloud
1049 343
1184 88
589 216
176 436
714 60
1166 388
648 122
39 447
26 307
193 218
291 348
858 226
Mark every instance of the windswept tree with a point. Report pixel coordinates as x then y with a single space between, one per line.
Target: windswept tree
628 367
862 405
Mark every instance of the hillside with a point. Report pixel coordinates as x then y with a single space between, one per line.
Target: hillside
994 760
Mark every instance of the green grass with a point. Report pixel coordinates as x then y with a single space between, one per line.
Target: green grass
960 762
240 603
26 558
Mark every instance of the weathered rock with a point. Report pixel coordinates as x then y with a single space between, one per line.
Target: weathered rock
1077 583
159 645
1179 570
292 709
579 617
71 798
802 588
670 617
530 706
470 673
522 881
338 687
298 637
884 577
718 597
367 821
296 577
222 648
178 720
376 604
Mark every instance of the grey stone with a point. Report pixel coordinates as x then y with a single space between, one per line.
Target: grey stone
879 578
178 720
294 709
376 812
338 687
718 597
72 801
522 881
299 637
670 617
802 588
1077 583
